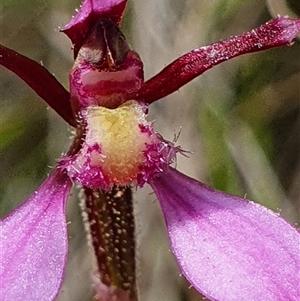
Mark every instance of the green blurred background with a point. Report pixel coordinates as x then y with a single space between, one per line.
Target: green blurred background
240 119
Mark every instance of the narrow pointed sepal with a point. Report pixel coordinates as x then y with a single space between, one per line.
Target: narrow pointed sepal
229 248
34 243
39 79
91 11
275 33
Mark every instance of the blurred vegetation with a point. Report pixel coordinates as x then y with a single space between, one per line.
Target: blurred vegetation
241 119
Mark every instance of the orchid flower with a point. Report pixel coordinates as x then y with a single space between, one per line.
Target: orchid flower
227 247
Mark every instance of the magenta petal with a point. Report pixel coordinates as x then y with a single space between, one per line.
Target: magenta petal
34 243
89 12
227 247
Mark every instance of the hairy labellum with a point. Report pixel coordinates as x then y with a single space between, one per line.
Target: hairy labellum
120 148
228 248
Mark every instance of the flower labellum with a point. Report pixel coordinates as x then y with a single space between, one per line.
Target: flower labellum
229 249
120 148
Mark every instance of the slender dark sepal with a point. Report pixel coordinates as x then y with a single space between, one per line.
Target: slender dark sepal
40 80
275 33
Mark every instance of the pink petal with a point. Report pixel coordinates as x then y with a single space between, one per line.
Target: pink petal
89 12
227 247
40 80
277 32
34 243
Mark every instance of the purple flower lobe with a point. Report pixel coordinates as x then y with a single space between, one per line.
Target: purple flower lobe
34 243
229 248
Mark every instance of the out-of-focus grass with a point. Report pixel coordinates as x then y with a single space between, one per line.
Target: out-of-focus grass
241 119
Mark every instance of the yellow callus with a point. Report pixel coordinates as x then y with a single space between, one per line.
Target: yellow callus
123 136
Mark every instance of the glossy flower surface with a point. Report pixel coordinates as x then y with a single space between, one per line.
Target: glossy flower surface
227 247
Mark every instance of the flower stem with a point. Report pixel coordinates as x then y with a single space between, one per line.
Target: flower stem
111 221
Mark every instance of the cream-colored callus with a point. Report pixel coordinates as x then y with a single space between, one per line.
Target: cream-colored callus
121 140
